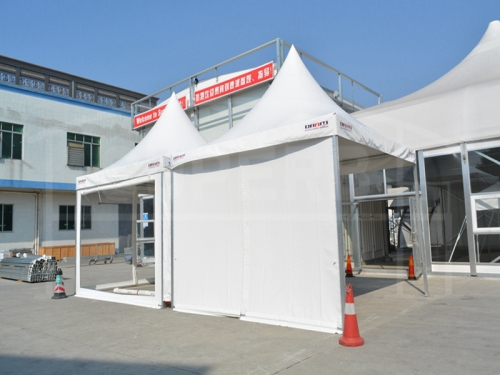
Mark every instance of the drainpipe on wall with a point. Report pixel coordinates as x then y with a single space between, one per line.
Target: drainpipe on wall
36 241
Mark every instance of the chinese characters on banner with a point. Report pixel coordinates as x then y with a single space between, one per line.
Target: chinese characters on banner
154 114
255 76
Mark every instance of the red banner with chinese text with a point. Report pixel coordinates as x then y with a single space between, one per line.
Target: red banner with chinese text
252 77
154 114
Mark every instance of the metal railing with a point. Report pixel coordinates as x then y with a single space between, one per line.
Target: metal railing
338 94
41 79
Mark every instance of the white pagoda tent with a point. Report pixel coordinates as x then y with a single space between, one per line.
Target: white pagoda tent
143 172
257 212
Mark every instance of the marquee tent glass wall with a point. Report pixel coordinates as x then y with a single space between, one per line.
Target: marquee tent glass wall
453 122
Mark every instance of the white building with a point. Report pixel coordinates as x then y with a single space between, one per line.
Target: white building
54 127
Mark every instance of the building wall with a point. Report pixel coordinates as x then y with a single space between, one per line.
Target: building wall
46 121
44 169
104 221
24 220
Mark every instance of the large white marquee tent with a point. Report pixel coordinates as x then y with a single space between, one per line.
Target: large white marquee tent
460 106
254 218
456 117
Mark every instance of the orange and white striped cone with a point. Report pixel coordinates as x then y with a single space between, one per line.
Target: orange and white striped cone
350 336
348 268
59 291
411 269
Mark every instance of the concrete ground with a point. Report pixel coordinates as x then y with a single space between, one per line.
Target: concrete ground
454 331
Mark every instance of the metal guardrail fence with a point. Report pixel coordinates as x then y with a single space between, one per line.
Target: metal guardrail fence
339 94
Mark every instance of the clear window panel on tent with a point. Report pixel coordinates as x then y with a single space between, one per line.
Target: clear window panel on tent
484 169
446 208
487 218
369 183
399 180
396 180
488 248
107 249
487 212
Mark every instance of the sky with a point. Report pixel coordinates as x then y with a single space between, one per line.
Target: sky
394 47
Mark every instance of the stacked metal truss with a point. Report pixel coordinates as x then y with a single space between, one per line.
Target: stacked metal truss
30 268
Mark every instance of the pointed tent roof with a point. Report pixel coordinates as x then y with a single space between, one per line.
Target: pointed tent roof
294 96
172 132
459 106
293 102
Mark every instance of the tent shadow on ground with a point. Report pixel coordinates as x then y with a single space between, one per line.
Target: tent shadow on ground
28 365
365 285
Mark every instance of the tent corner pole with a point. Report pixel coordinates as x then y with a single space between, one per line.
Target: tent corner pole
422 211
78 242
468 209
134 237
159 271
338 213
172 238
355 235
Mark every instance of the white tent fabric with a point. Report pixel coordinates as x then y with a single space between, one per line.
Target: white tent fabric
256 211
295 108
172 132
255 236
460 106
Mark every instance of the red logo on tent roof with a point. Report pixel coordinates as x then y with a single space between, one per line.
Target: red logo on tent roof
345 126
316 125
178 157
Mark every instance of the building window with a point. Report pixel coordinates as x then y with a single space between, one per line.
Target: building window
83 150
67 218
86 216
6 217
11 137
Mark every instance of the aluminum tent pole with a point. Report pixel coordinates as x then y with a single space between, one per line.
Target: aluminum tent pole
78 242
422 206
422 210
355 235
134 237
338 214
141 226
158 235
172 238
468 209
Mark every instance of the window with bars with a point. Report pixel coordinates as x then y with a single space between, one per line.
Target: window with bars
11 141
83 150
67 217
6 216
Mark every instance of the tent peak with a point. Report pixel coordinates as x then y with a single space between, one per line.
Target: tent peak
492 33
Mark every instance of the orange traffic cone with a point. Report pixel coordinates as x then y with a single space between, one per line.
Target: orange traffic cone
59 291
348 268
411 269
350 337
